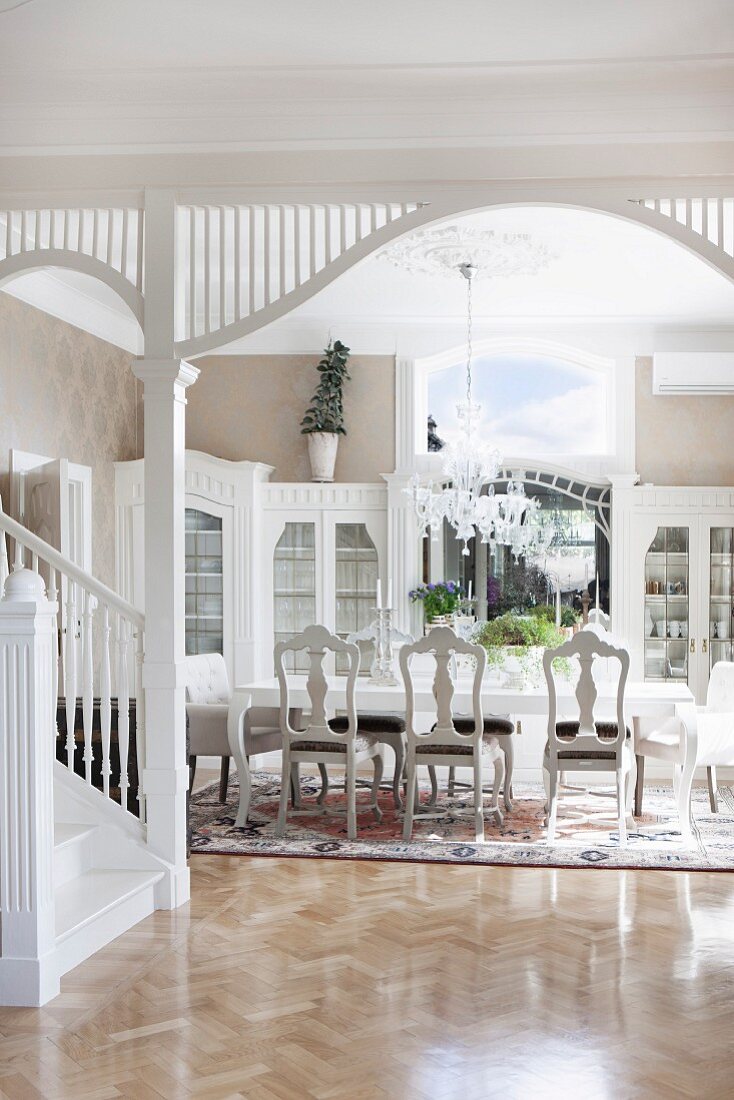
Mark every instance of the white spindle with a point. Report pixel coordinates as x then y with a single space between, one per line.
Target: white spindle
34 563
327 235
312 241
342 228
123 706
282 252
705 219
19 556
140 718
105 699
110 236
95 232
192 272
4 569
80 230
237 262
251 252
297 235
207 268
53 597
124 246
87 684
70 672
267 211
24 230
8 234
222 270
139 252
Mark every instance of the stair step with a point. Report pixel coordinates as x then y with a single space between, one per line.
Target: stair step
72 851
96 907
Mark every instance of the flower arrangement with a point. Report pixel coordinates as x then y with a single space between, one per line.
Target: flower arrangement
441 598
523 637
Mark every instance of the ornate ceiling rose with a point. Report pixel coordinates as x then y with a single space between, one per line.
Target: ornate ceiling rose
440 250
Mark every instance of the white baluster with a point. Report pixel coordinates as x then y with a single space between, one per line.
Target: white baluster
140 718
207 268
52 598
70 672
124 245
192 272
4 570
139 254
19 556
105 700
123 705
87 684
268 212
34 562
222 269
237 261
251 263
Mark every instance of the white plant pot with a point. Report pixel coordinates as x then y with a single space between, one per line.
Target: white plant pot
322 447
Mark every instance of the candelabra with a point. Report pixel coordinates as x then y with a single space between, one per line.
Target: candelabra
383 666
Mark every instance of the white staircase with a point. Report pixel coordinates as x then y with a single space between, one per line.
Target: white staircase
77 868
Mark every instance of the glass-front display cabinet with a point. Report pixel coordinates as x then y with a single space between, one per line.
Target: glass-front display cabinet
721 608
667 604
204 579
356 580
294 587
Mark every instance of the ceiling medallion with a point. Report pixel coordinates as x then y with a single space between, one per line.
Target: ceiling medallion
440 250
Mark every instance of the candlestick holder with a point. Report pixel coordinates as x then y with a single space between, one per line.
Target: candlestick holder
383 666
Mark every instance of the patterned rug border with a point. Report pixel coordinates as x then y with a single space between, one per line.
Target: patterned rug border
494 853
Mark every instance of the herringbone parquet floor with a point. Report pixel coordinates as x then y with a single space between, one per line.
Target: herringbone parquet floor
290 978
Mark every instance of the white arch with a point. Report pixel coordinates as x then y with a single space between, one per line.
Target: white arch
23 263
434 213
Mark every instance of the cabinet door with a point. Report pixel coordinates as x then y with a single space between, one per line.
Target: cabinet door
294 586
717 603
356 566
670 602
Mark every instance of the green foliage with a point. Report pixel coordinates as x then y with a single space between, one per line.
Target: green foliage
521 631
442 598
326 412
569 617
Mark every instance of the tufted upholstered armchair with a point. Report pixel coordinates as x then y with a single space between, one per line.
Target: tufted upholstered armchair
220 726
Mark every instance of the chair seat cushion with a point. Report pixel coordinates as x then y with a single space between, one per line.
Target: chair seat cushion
489 744
605 731
370 723
361 744
493 725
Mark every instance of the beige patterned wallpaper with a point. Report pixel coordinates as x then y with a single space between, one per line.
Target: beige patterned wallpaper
247 407
682 440
66 394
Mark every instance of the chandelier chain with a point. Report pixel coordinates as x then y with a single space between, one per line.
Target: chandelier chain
468 340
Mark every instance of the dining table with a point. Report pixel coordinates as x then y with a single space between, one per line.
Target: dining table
642 699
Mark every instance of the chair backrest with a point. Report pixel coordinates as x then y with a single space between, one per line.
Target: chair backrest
720 695
599 617
318 641
206 679
587 646
443 645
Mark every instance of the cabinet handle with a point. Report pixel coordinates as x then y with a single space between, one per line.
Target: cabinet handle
705 645
693 645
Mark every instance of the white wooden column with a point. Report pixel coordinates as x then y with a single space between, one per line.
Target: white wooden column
404 552
28 970
165 778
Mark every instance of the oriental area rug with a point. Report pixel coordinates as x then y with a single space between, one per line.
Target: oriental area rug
586 833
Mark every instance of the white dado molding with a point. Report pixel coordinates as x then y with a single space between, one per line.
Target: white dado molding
333 495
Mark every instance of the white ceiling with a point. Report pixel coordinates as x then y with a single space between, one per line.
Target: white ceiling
180 75
606 271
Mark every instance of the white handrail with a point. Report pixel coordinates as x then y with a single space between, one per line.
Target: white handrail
56 560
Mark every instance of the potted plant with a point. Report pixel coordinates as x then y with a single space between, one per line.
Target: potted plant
440 601
323 421
515 644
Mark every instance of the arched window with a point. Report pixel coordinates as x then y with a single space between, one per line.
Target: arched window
532 404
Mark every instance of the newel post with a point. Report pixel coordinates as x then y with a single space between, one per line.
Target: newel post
28 970
165 776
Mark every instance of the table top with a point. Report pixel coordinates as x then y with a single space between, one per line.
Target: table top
641 699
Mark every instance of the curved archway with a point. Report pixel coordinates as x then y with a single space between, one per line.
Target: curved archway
628 210
25 263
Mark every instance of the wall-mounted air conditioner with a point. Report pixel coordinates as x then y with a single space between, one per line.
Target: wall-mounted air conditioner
693 372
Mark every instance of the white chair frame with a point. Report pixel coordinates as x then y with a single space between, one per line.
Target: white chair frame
586 645
443 644
317 640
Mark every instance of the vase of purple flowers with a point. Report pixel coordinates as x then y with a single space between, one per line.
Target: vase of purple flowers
440 602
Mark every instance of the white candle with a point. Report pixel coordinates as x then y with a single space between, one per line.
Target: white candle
558 605
469 590
597 591
389 593
379 594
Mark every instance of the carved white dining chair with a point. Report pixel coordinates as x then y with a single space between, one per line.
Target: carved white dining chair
584 744
320 743
707 742
446 745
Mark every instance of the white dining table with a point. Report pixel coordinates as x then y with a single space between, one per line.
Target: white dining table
642 700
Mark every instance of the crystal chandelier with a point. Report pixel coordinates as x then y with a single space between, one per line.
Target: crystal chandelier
469 464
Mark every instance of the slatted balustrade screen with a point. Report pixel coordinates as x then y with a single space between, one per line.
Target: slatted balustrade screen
711 219
236 260
114 236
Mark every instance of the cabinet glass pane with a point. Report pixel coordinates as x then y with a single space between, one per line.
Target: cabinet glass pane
721 558
204 608
356 580
666 605
294 587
